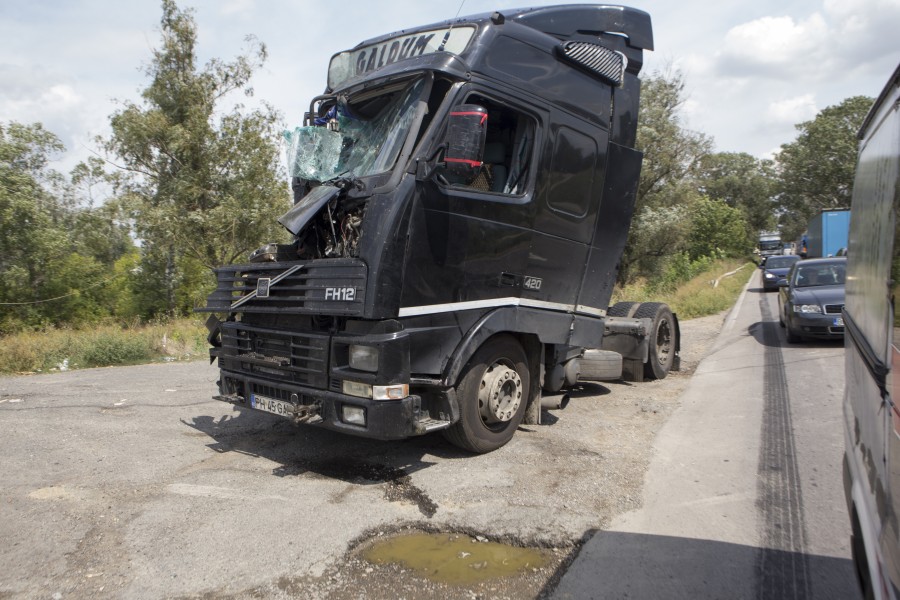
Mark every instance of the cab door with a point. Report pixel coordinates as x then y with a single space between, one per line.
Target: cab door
470 238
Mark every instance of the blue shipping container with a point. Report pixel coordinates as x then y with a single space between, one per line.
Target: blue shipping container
827 233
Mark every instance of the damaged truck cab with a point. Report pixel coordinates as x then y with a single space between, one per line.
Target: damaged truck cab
463 194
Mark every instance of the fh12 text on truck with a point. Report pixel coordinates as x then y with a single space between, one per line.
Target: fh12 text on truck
463 194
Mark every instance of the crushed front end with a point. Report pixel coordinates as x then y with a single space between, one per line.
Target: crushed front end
293 345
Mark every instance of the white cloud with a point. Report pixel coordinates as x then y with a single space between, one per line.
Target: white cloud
771 72
863 29
841 37
748 67
791 111
62 95
778 46
26 91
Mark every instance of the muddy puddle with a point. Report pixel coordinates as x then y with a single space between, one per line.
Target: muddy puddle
454 558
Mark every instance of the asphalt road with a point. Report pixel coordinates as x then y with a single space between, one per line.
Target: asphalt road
743 497
133 483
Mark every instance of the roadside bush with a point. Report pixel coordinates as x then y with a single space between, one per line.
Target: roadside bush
63 349
681 269
701 295
111 349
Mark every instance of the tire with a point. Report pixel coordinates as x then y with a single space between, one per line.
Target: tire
662 342
622 309
492 394
860 560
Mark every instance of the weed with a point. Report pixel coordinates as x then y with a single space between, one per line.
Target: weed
698 297
106 345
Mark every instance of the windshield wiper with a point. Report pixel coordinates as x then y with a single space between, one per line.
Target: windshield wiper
346 181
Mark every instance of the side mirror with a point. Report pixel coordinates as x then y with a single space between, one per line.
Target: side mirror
783 283
466 132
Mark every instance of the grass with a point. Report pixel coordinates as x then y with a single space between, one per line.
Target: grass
185 339
706 294
64 349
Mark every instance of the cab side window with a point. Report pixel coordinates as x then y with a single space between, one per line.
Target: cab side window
508 150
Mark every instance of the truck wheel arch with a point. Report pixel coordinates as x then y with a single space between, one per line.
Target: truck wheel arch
500 321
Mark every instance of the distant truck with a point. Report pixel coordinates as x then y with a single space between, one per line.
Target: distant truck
872 357
769 245
465 191
827 233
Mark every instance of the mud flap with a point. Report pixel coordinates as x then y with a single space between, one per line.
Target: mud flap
533 409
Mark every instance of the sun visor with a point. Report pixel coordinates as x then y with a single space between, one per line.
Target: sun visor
296 219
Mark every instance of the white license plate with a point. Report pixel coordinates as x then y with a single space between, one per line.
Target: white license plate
839 321
271 405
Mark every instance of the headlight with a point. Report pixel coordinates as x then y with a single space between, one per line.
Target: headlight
769 276
807 308
364 358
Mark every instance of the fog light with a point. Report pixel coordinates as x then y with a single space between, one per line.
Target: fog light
354 415
364 358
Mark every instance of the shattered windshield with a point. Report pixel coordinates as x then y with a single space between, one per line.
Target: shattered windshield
359 136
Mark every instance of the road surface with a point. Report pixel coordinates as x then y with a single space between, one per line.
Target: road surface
743 497
132 483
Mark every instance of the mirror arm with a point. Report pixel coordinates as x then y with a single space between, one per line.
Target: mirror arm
430 171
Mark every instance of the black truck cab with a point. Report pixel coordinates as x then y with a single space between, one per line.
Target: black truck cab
464 192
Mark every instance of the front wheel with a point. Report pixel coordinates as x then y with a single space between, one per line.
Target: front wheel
663 342
492 394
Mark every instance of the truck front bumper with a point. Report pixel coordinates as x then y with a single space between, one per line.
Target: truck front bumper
383 419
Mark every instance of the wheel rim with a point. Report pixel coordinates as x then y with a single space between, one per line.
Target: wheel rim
663 342
500 394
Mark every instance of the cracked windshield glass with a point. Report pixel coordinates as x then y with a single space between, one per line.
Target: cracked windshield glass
356 137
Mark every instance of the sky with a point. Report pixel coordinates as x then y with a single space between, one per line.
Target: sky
752 70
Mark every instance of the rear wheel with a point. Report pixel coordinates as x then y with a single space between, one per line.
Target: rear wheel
492 394
662 339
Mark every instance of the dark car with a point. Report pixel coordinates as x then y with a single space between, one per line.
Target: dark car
776 269
811 300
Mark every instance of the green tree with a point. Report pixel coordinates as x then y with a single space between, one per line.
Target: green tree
816 170
744 182
55 254
657 235
29 216
672 155
205 185
718 230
